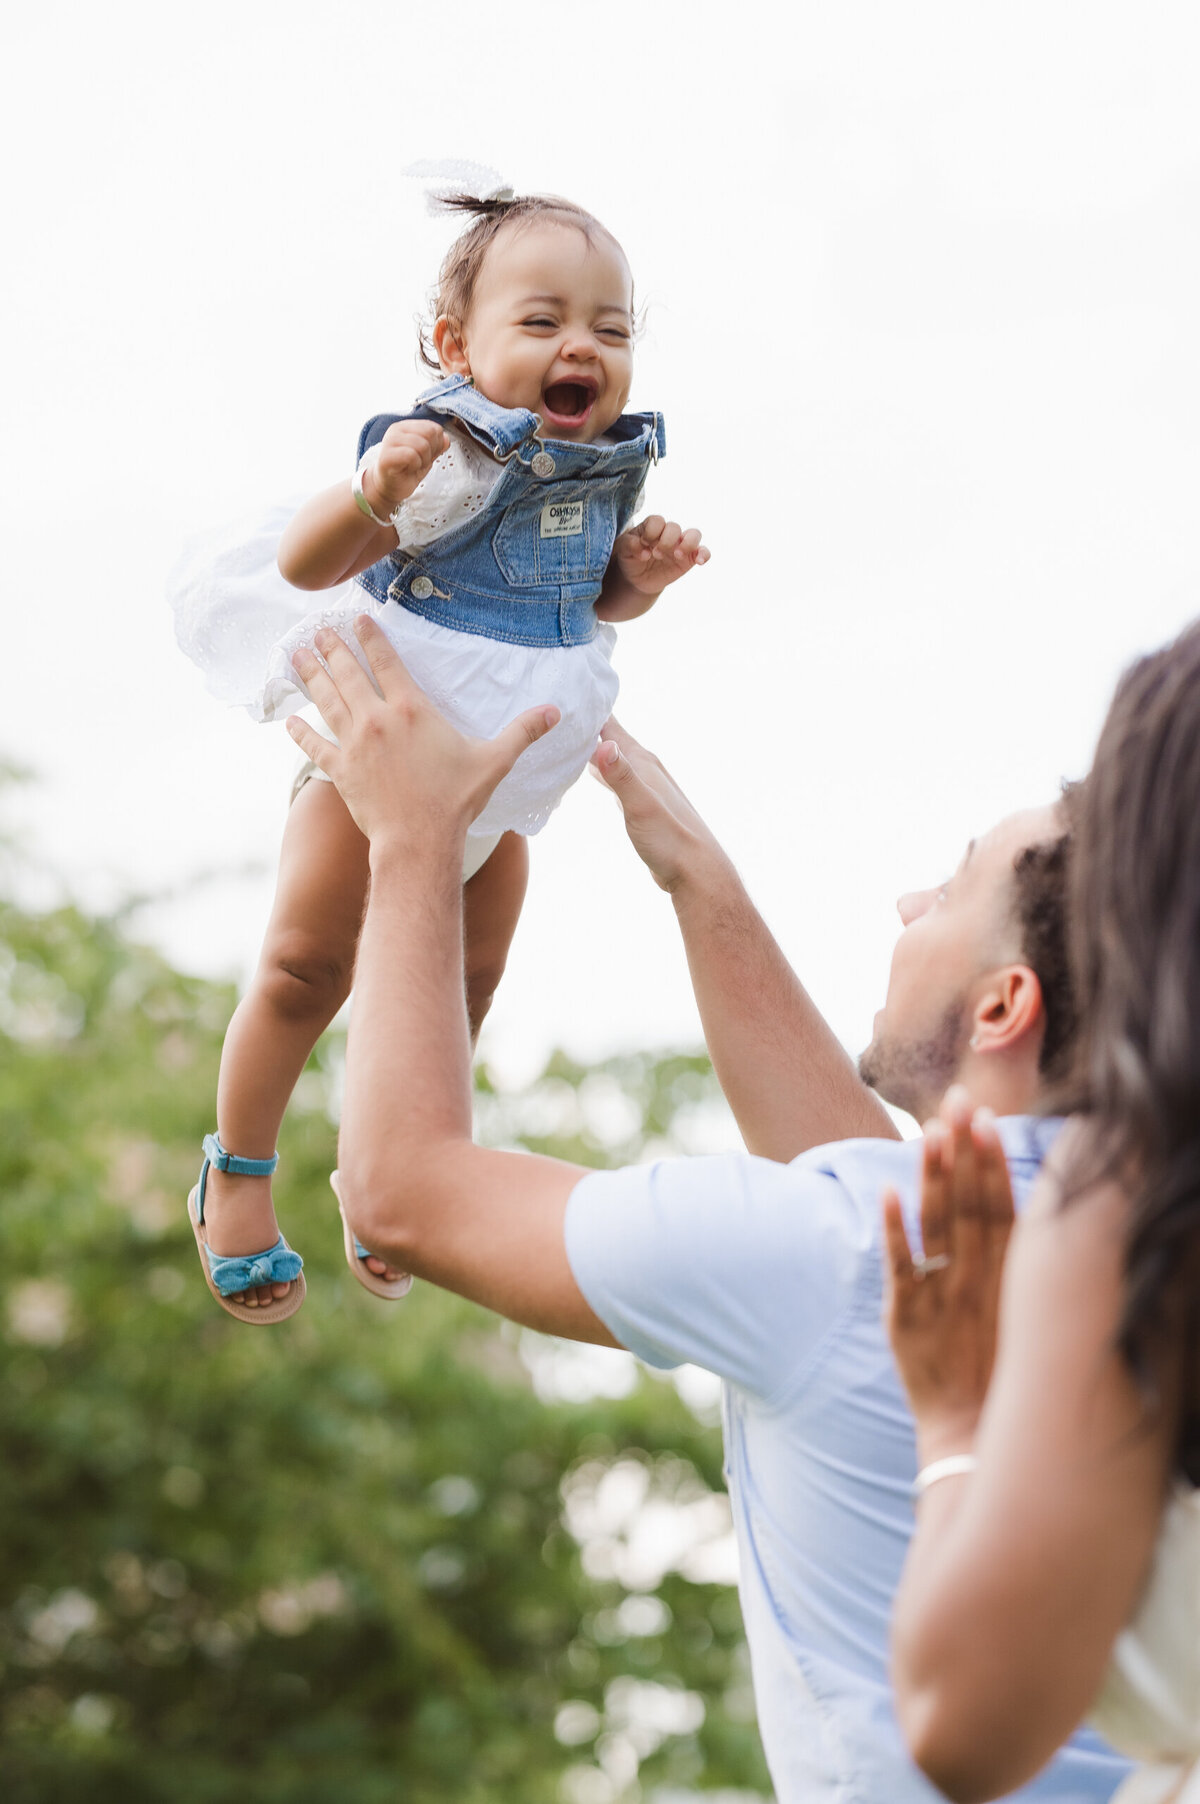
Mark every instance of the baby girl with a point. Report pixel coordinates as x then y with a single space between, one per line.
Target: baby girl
488 532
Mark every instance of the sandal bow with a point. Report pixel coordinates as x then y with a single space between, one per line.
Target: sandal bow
278 1265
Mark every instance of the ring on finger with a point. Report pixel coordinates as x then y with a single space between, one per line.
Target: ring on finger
925 1266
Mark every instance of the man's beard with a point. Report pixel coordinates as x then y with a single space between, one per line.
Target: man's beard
914 1075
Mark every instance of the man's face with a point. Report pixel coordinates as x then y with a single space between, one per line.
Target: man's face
954 938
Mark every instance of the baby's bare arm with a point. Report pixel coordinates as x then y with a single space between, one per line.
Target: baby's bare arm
330 539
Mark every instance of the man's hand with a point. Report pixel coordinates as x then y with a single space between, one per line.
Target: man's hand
668 835
656 552
402 770
407 452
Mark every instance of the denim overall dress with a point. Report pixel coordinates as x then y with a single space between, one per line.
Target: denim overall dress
528 567
495 616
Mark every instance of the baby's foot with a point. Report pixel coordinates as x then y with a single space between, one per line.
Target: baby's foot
239 1220
381 1270
378 1268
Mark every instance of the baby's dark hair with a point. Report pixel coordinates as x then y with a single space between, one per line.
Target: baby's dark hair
462 263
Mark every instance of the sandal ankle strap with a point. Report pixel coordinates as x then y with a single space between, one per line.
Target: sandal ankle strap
216 1155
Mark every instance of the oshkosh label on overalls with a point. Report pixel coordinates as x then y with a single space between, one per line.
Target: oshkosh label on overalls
562 519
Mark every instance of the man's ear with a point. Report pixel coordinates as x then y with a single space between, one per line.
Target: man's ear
1008 1011
451 347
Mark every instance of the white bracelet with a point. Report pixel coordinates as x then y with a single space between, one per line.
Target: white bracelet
370 459
954 1466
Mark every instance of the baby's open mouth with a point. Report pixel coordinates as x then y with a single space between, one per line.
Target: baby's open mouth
569 403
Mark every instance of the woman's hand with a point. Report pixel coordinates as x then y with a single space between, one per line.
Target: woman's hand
941 1307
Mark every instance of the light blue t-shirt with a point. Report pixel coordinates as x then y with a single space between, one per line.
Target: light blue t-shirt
771 1276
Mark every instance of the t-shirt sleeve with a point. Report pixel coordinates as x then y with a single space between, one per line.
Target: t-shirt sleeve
733 1263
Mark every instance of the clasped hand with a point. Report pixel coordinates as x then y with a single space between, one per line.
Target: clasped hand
402 770
942 1308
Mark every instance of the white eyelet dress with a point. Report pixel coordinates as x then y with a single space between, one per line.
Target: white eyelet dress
240 622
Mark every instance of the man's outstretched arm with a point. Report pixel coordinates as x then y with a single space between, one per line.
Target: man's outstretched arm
418 1192
787 1077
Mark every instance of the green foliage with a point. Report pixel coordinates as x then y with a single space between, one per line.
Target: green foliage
337 1560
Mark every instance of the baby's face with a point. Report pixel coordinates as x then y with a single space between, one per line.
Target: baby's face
551 328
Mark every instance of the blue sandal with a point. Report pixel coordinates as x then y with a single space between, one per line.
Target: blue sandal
391 1290
224 1276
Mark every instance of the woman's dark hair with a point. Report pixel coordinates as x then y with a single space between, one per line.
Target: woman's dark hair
463 261
1135 945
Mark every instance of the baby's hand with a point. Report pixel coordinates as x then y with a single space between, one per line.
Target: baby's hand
407 453
656 552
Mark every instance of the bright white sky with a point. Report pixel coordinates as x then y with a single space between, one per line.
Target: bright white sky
923 285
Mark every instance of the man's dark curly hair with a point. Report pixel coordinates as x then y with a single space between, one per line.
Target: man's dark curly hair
1040 875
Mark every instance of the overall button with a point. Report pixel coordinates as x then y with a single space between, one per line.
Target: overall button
421 588
542 464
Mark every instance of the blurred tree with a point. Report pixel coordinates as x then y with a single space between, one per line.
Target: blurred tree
381 1553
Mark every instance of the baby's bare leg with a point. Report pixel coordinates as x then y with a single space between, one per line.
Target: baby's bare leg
303 977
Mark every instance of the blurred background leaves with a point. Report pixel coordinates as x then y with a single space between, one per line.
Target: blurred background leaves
381 1553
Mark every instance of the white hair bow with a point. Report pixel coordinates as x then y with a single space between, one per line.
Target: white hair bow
451 176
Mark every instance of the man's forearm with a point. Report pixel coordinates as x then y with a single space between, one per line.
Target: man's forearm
486 1224
787 1077
408 1059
